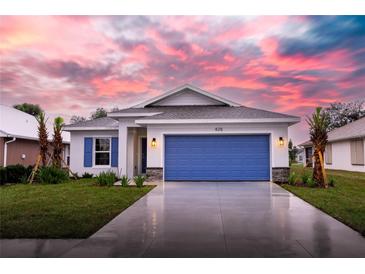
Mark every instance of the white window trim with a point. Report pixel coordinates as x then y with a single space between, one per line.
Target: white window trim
94 152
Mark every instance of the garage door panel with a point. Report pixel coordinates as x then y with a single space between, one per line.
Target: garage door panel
211 157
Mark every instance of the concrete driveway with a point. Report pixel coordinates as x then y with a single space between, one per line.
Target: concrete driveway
209 219
220 219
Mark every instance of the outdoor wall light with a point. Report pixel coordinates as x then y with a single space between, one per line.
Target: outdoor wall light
281 141
153 142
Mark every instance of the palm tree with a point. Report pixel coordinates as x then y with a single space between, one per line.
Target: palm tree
57 142
318 128
43 137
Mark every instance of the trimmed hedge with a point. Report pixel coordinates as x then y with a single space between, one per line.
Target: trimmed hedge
14 174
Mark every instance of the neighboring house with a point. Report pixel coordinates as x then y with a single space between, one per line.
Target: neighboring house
307 159
19 137
186 134
345 149
300 155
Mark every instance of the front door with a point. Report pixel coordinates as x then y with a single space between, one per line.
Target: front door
144 154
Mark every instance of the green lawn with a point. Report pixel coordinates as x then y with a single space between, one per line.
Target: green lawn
345 201
75 209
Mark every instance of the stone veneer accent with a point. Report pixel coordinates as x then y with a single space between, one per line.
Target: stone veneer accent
280 174
154 174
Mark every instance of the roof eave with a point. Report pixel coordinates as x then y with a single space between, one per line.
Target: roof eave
290 121
89 128
131 115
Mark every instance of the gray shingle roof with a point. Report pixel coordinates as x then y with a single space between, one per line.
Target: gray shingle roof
352 130
204 112
104 122
355 129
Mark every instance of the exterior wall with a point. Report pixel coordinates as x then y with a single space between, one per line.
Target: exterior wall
19 148
279 154
77 151
341 157
187 98
30 149
2 140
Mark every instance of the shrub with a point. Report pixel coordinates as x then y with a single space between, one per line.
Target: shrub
52 175
311 182
106 178
305 177
292 178
3 175
125 180
87 175
331 181
139 180
16 173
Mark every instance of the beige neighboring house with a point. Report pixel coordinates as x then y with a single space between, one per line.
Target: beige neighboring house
19 138
345 149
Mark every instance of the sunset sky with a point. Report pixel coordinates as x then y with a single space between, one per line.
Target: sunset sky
290 64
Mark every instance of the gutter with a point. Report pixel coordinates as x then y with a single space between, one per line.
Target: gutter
6 149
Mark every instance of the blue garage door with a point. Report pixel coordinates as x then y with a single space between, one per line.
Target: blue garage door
217 158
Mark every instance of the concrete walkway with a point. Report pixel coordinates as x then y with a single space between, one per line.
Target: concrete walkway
209 219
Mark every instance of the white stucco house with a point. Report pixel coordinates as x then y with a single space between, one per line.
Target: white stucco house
345 149
185 134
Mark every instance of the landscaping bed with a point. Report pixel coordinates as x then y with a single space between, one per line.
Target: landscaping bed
345 201
74 209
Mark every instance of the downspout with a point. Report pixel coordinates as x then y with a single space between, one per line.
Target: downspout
6 149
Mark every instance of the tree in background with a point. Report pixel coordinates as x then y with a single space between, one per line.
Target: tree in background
318 129
43 137
293 151
341 114
31 109
76 119
99 113
57 142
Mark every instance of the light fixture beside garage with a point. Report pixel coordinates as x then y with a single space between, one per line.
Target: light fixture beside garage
153 142
281 141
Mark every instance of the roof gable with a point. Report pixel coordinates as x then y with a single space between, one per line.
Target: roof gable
186 95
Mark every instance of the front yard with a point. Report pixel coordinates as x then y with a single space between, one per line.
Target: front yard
345 201
75 209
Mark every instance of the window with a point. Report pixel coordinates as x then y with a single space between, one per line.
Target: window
357 152
328 154
102 151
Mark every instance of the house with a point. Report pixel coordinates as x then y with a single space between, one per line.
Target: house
345 149
19 137
186 134
307 154
300 155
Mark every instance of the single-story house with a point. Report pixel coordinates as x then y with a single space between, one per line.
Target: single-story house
19 138
300 155
186 134
345 149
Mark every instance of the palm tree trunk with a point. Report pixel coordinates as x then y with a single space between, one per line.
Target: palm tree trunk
317 170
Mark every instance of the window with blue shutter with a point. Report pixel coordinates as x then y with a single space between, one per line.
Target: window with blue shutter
114 152
88 152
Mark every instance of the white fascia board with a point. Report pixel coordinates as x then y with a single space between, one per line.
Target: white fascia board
176 90
88 128
218 121
26 137
129 115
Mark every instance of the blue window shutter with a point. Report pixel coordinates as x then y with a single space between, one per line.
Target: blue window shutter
114 151
88 152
